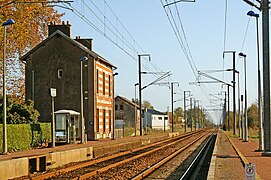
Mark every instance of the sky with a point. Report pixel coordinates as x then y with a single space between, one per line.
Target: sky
123 29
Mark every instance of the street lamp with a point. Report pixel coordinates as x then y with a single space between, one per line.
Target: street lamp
253 14
5 148
245 121
113 122
82 100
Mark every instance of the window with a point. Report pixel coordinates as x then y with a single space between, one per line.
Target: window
97 80
97 120
110 120
59 73
121 107
104 120
160 118
116 107
109 85
103 83
165 118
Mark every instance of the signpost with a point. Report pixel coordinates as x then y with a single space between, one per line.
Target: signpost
250 172
53 95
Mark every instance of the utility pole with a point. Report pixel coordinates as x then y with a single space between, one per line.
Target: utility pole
191 114
198 115
266 75
195 114
228 108
233 87
172 101
140 88
184 107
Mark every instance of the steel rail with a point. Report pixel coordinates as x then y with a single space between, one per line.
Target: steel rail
151 169
95 161
106 168
191 166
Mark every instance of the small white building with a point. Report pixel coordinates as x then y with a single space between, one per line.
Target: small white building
156 120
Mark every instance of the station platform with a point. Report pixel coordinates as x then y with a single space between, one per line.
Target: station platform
231 155
21 163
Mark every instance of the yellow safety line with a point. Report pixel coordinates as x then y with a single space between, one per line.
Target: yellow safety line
244 160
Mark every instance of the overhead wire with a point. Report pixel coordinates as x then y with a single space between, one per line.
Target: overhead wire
102 32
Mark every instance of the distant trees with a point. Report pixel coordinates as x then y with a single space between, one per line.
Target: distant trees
19 112
147 104
30 28
252 115
178 112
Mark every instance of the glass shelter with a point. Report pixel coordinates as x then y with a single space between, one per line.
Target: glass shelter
67 127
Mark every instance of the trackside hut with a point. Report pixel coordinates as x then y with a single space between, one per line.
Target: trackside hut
156 120
55 63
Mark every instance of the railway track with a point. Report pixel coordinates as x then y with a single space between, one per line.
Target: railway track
128 164
190 168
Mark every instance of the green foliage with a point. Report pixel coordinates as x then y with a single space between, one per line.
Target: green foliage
26 136
252 115
18 112
147 104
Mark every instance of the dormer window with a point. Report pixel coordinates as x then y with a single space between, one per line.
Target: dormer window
59 73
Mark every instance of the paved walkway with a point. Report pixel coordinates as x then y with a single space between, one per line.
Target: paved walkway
226 163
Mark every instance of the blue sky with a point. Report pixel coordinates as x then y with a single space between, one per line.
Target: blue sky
147 23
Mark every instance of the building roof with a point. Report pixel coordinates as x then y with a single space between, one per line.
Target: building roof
77 44
127 101
155 112
65 111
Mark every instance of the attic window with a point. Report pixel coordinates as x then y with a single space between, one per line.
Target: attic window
60 73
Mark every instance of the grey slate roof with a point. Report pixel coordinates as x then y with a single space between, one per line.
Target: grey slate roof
155 112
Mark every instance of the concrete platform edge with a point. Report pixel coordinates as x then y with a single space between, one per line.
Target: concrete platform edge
211 172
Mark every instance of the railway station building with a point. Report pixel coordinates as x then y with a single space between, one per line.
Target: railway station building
55 63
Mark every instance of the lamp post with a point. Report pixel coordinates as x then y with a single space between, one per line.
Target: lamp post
82 124
5 148
113 121
245 121
253 14
136 84
139 90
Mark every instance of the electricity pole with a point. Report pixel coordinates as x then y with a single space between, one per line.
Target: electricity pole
266 75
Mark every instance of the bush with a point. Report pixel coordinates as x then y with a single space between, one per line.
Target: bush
19 112
26 136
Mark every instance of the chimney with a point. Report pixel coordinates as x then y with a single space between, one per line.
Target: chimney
85 42
65 28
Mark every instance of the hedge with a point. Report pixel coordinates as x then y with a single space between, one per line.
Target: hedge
25 136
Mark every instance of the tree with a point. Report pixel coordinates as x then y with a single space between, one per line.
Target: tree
252 115
30 28
178 112
19 112
147 104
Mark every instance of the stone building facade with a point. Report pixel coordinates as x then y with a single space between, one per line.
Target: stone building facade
55 63
126 110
